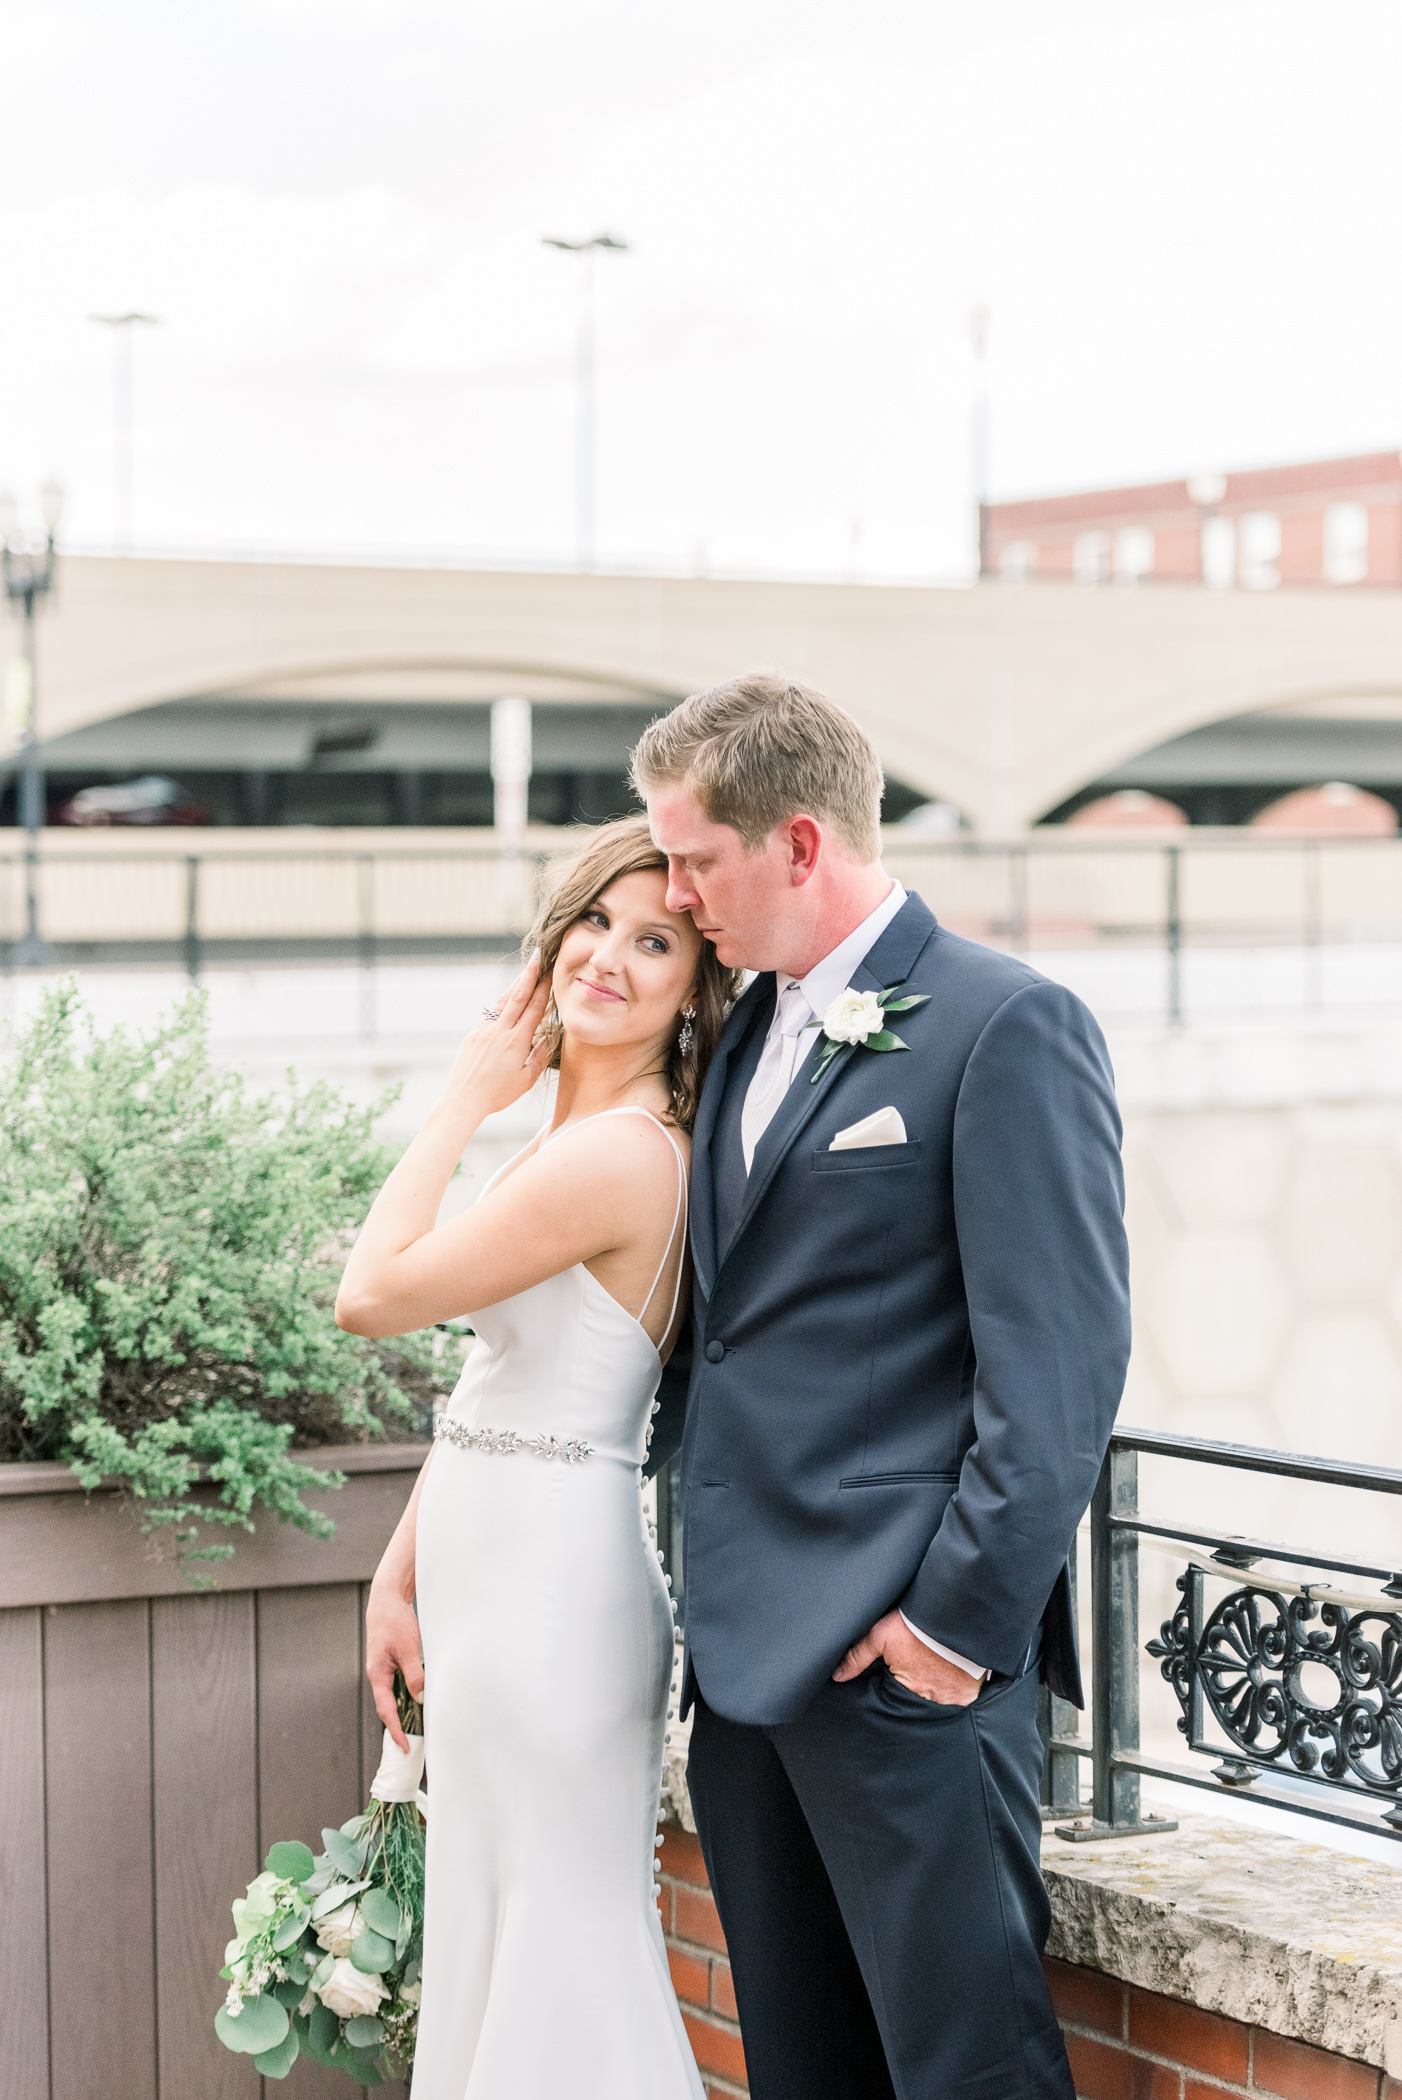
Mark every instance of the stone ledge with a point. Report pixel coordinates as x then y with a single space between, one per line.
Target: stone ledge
1272 1931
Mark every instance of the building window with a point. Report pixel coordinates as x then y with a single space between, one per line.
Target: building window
1090 557
1134 553
1345 543
1017 561
1260 550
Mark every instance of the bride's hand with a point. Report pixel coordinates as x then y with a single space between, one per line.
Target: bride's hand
500 1061
392 1642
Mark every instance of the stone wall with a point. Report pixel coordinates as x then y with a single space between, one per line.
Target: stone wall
1264 1187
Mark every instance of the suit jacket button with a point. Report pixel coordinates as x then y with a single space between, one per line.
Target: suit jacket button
715 1352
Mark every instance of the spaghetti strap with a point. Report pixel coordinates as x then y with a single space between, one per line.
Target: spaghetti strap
671 1237
633 1109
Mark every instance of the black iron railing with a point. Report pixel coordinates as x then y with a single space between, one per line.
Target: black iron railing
199 904
1287 1679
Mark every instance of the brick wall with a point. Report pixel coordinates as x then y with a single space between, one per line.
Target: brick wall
700 1967
1128 2044
1124 2043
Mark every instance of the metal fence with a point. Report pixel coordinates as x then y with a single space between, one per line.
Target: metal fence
201 909
1173 904
1288 1681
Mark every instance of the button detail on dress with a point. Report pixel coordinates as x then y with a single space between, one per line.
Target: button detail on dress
715 1352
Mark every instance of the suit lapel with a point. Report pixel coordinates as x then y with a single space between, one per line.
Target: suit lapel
888 962
759 995
892 958
798 1105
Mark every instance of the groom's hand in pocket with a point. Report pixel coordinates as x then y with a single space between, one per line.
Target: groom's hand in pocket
914 1665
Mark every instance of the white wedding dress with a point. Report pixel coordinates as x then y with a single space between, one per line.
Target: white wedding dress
547 1639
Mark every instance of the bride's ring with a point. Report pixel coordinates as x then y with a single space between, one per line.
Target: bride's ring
491 1013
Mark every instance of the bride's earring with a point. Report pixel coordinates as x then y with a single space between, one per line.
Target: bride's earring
685 1039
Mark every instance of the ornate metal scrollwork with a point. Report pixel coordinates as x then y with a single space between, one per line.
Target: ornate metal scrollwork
1248 1663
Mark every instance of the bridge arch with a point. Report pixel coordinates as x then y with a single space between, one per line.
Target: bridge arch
1004 702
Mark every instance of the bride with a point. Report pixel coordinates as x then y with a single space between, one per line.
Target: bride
544 1619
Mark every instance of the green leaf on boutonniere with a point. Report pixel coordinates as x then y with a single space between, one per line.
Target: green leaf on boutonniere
827 1054
885 1041
903 1006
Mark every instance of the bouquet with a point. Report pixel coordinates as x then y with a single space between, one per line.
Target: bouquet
326 1951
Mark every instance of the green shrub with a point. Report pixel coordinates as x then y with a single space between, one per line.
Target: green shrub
170 1247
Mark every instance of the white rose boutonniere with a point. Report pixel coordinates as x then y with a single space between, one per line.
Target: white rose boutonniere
859 1019
853 1016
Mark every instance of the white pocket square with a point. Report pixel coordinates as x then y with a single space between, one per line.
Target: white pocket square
884 1128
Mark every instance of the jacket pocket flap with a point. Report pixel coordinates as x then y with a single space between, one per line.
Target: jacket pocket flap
868 1159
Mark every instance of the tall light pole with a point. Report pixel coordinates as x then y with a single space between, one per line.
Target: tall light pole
584 436
28 573
123 418
979 321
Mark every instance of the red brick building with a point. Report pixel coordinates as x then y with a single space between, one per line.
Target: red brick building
1330 523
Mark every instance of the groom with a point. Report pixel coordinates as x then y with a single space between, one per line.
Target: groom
911 1325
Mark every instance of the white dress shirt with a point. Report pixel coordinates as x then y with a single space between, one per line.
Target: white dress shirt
785 1051
819 988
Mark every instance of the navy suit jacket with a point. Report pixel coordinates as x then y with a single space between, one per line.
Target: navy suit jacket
906 1360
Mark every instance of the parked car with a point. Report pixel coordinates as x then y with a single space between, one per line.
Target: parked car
151 800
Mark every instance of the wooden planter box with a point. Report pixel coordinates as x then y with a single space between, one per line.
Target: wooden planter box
155 1742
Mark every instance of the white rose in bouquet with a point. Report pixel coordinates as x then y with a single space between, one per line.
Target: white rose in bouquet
338 1928
853 1016
348 1992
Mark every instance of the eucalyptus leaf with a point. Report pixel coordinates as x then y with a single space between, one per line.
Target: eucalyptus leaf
298 1966
276 2063
364 2031
290 1994
361 2065
381 1913
322 1970
403 1936
323 2032
260 2024
339 1892
291 1861
372 1953
343 1853
322 1879
903 1006
411 1972
291 1928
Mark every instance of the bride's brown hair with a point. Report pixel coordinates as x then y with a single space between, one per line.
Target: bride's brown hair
625 847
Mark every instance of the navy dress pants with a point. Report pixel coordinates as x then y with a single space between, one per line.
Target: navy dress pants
875 1866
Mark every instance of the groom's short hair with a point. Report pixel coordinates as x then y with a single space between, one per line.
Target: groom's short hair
762 748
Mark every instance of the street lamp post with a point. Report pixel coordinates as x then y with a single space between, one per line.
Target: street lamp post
29 576
123 419
584 500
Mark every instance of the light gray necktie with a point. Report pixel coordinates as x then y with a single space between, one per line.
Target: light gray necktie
775 1069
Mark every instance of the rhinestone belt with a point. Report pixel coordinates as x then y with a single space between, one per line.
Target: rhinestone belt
572 1449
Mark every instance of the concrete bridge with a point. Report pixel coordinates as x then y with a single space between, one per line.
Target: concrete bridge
1004 701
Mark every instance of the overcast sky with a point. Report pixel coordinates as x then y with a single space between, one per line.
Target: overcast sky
1183 216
